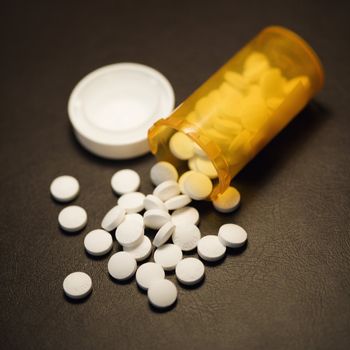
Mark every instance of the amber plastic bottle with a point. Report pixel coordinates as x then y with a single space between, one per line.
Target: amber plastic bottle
242 106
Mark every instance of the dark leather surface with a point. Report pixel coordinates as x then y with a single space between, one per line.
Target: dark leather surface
290 287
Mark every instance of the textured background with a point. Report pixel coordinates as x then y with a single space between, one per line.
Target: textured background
289 289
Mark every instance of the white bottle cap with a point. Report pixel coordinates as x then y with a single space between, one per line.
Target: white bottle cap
112 108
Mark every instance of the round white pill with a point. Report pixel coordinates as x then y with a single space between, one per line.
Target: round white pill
166 190
134 216
199 151
113 218
163 234
185 216
162 293
64 188
122 266
98 242
125 181
163 171
182 180
148 273
156 218
210 248
77 285
142 251
227 201
132 202
72 218
186 236
198 186
129 233
177 202
153 202
168 255
190 271
206 167
181 146
232 235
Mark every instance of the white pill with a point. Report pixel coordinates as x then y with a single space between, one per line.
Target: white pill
168 255
227 201
98 242
166 190
134 216
125 181
181 146
77 285
190 271
155 218
198 186
153 202
113 218
232 235
210 248
163 171
185 216
148 273
162 293
177 202
206 167
129 233
72 218
132 202
142 251
192 164
163 234
122 266
64 188
186 236
182 180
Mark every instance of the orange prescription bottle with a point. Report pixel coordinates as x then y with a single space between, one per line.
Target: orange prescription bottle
242 106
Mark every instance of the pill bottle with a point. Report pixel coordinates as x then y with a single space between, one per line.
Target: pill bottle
242 106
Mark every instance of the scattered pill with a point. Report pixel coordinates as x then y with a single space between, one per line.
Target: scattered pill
182 180
177 202
64 188
72 218
98 242
113 218
142 251
155 218
168 255
163 171
190 271
129 233
198 150
186 236
185 216
134 216
232 235
166 190
132 202
122 266
77 285
197 186
181 146
228 201
210 248
153 202
148 273
125 181
162 293
163 234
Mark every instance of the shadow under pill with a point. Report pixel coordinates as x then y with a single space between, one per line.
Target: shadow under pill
193 286
98 257
162 310
69 233
213 263
236 251
76 301
121 282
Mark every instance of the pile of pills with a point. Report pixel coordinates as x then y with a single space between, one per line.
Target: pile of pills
167 212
